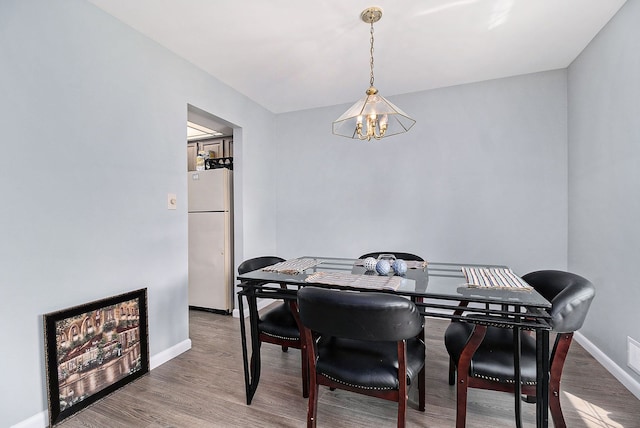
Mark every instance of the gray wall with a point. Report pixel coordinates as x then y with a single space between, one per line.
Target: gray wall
93 137
604 180
480 178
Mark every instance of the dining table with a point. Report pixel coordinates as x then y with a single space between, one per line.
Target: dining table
439 289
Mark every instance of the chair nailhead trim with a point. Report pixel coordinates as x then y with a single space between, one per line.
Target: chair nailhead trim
356 386
280 337
495 379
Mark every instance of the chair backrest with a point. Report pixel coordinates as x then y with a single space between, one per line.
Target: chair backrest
398 255
258 263
360 316
570 296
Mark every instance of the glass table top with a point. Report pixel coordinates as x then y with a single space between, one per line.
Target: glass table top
438 280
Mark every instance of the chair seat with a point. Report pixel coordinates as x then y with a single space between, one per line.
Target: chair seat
493 360
279 322
367 365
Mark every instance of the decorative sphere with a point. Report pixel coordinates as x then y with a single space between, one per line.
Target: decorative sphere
399 267
383 267
370 264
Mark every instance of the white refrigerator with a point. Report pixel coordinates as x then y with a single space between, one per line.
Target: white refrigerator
211 240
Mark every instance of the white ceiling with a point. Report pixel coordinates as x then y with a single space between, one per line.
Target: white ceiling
294 54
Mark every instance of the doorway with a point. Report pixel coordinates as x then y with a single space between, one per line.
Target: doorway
210 212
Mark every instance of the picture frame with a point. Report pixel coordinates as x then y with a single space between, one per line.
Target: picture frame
93 349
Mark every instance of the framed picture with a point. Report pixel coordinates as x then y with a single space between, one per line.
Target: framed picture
93 349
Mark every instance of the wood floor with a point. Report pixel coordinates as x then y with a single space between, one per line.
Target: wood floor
204 387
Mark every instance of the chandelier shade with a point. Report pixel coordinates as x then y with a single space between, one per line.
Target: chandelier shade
372 116
374 112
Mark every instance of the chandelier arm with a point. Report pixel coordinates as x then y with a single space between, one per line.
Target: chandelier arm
376 128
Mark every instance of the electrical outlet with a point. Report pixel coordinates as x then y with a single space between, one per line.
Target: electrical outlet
633 354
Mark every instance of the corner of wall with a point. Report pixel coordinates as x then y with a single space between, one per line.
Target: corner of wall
618 372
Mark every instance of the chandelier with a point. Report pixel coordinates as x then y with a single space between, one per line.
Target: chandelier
372 116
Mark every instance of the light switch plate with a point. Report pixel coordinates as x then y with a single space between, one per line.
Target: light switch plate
171 201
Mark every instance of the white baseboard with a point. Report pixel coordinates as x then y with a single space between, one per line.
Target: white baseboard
623 377
168 354
41 419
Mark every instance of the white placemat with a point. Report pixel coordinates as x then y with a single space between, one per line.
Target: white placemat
293 266
494 278
375 282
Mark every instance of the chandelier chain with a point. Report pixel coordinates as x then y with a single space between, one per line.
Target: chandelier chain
371 52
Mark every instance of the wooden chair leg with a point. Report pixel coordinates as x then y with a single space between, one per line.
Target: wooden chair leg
305 372
559 355
464 361
403 391
461 401
312 411
556 410
309 352
402 411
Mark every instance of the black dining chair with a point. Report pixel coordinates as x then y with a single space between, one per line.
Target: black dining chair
368 343
398 255
279 325
483 355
